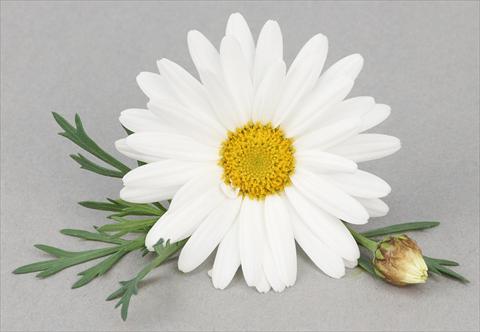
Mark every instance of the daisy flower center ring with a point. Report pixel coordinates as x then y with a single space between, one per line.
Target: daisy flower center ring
257 159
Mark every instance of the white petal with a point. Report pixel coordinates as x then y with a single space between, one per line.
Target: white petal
203 53
238 28
357 106
165 173
271 271
280 237
195 187
302 75
237 76
268 93
188 91
227 259
137 120
251 239
146 194
153 85
185 86
350 108
377 115
262 285
179 120
208 235
180 224
122 146
350 66
326 227
317 46
329 198
323 162
371 114
269 50
375 206
328 136
361 184
222 102
319 101
324 258
350 264
171 146
366 147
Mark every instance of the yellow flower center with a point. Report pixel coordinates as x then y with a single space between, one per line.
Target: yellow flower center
257 159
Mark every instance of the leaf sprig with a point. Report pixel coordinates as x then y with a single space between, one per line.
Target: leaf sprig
123 208
77 135
110 233
65 259
129 288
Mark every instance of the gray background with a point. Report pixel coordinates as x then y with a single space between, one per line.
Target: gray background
421 58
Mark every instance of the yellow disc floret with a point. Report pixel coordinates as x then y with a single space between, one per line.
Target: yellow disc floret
257 159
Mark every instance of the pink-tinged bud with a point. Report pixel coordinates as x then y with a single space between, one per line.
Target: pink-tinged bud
399 260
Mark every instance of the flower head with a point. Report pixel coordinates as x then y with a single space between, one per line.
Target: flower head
399 260
256 157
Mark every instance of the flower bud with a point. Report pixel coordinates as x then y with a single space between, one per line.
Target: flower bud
399 260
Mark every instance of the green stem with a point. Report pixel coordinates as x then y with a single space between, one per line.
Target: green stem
130 287
163 254
363 241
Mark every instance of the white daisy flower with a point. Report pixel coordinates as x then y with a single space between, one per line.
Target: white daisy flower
256 157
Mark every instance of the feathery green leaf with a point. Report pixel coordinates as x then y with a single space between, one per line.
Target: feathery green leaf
102 206
95 168
54 251
91 236
99 269
79 136
126 225
129 288
67 259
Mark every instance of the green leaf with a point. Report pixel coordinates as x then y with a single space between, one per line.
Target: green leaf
138 211
78 135
99 269
51 267
67 259
95 168
90 236
102 206
129 288
34 267
443 261
123 208
452 274
54 251
64 123
401 228
437 266
126 225
79 258
156 206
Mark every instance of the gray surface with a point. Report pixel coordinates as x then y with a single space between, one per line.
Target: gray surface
421 58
